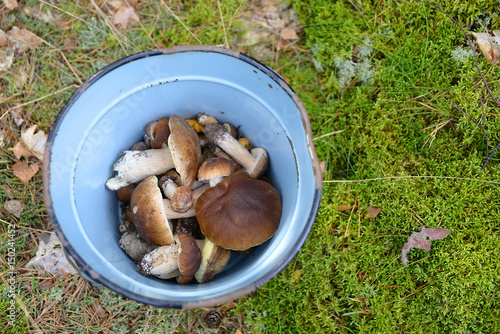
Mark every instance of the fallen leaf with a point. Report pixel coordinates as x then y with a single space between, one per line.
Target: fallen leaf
14 207
289 34
4 38
25 172
7 190
6 137
98 309
35 142
20 151
45 284
489 45
11 4
238 332
125 16
16 112
24 39
419 240
47 17
6 58
343 208
372 212
296 274
50 257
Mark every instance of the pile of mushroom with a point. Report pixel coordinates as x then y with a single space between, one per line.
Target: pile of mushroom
192 193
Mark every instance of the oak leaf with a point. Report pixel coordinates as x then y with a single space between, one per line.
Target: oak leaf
372 212
24 39
25 172
10 4
34 142
14 207
125 16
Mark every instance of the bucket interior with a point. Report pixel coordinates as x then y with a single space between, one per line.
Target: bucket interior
110 114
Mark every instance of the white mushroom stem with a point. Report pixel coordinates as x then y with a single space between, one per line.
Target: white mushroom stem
215 180
169 187
170 213
135 166
254 163
161 263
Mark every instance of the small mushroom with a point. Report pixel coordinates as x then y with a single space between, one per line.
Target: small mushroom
215 170
135 166
152 213
231 129
180 259
204 119
189 257
124 194
254 162
240 212
213 260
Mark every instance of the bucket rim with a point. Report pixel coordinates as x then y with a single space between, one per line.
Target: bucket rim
87 272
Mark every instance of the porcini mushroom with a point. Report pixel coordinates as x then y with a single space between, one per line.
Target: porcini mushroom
135 166
151 213
161 262
213 260
255 162
215 170
239 212
185 147
180 259
189 258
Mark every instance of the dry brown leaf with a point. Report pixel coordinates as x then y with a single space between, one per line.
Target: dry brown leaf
289 34
25 172
342 208
11 4
372 212
7 190
4 38
98 309
35 142
489 45
45 284
20 151
296 274
6 58
24 39
14 207
125 16
419 240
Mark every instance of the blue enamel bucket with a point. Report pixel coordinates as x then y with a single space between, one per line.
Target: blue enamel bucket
109 113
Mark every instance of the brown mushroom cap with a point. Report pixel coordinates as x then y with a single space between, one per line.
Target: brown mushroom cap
239 212
189 256
215 168
185 148
161 132
149 214
182 200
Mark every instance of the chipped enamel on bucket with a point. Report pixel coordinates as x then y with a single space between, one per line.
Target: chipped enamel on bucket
109 113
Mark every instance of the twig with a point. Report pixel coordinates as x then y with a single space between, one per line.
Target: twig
412 177
226 43
180 21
